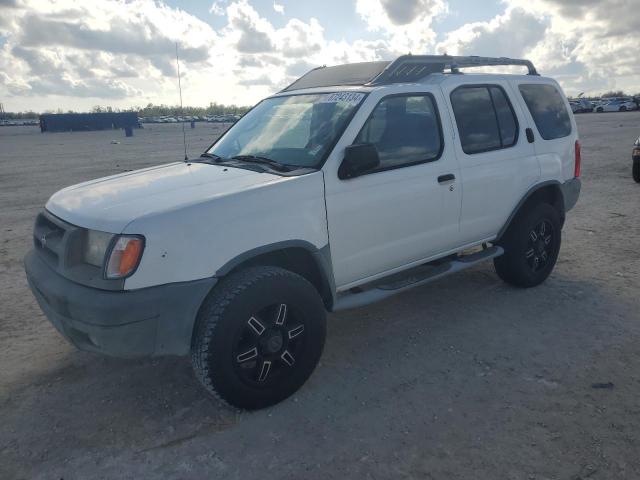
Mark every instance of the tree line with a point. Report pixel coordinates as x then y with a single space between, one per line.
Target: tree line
150 110
213 108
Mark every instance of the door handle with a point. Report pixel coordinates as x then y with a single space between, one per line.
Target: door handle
529 133
446 178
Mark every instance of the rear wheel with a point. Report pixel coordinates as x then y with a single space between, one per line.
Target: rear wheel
531 246
636 170
258 337
623 108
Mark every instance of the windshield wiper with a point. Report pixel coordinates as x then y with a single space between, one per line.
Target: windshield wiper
267 161
207 158
211 155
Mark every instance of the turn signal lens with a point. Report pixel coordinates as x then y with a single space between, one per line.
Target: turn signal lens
576 172
125 256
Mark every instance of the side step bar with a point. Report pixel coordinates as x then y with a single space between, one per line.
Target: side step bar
414 277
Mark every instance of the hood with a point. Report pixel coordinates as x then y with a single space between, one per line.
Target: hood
109 204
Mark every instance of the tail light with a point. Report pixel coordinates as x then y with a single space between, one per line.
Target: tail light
578 160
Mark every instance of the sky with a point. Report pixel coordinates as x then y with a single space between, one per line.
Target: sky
73 55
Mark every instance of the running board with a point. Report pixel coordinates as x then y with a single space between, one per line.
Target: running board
386 287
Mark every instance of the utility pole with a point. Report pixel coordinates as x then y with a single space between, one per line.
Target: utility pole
1 111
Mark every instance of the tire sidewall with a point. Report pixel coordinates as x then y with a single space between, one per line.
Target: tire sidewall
517 240
284 287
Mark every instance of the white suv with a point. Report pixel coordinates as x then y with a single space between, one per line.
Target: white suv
354 183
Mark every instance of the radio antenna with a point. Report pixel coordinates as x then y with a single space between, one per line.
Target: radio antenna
184 135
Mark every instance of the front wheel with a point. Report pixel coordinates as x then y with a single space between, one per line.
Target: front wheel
636 170
531 246
258 337
623 108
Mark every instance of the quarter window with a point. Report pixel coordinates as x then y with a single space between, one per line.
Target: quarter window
485 118
548 110
405 130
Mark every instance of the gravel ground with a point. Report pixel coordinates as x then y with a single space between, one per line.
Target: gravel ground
466 378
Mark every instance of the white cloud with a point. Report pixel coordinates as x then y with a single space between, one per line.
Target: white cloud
585 45
404 24
217 7
278 7
73 55
512 34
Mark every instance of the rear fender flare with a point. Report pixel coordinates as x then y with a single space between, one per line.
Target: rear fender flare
550 187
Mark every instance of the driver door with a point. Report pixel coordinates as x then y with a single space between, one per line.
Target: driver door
408 208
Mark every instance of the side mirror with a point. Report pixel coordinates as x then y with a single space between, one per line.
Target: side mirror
359 158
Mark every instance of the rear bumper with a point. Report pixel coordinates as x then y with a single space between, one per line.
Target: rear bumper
570 192
149 321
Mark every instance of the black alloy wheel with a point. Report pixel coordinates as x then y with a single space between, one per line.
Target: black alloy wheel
531 246
540 246
266 347
258 336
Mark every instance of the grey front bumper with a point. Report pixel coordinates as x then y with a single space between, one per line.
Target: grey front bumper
149 321
570 193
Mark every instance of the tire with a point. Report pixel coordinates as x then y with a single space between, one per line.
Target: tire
623 109
599 110
636 170
531 245
258 337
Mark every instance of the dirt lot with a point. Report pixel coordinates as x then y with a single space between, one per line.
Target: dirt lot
466 378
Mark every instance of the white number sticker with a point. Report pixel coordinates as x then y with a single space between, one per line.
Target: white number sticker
351 98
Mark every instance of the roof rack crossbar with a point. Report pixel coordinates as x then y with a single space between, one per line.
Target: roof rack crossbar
411 68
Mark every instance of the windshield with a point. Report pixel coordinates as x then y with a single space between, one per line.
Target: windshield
295 130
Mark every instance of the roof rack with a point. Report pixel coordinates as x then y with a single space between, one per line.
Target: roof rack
407 68
412 68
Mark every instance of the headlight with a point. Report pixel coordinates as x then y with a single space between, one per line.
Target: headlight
95 247
124 256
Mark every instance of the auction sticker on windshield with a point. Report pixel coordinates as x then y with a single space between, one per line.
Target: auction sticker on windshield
351 98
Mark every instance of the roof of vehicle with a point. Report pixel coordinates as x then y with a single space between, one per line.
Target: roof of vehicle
405 69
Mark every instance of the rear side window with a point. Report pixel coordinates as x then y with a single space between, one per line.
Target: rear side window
405 130
548 110
484 117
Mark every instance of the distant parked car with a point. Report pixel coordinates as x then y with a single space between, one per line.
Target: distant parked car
635 155
581 105
617 105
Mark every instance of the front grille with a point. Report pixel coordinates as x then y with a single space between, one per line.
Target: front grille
61 245
49 238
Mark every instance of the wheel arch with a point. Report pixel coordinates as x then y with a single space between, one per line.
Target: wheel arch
298 256
548 192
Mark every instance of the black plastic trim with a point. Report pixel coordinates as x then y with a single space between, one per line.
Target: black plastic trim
322 257
156 320
522 201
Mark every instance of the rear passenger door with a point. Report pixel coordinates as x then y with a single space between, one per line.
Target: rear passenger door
498 164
